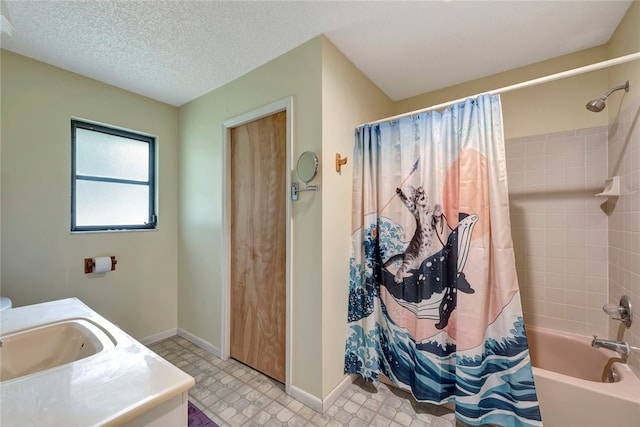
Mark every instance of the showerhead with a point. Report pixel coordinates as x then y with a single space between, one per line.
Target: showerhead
597 105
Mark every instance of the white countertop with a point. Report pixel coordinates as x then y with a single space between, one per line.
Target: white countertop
108 388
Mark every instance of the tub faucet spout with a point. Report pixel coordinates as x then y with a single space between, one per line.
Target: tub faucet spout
620 347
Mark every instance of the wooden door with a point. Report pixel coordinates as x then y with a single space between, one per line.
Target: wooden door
258 244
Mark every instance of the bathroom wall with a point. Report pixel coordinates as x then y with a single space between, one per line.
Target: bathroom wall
348 100
625 40
624 161
330 98
624 222
317 310
298 74
41 259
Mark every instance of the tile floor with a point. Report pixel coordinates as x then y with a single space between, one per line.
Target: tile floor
232 394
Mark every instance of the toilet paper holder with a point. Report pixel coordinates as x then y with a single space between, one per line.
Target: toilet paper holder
89 264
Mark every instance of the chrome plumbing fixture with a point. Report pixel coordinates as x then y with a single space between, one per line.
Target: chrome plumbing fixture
623 311
621 347
597 105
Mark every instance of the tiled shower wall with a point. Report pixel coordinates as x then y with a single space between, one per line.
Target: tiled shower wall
624 223
560 228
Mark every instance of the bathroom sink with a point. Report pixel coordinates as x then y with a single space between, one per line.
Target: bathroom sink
49 346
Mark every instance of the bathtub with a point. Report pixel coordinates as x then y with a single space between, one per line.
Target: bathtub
573 382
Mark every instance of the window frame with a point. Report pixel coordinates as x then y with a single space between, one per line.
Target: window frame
152 222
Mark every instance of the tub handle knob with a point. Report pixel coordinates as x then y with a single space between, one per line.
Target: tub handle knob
622 310
612 309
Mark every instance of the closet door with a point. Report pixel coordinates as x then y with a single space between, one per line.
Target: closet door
258 244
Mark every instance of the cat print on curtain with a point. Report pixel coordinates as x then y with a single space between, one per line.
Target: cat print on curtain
434 302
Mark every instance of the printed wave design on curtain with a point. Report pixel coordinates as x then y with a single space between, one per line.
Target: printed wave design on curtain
434 303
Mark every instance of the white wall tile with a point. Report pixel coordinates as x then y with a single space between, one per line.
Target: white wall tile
563 224
624 223
576 251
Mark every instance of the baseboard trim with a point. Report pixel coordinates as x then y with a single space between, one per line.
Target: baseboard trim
308 399
151 339
321 405
337 391
200 342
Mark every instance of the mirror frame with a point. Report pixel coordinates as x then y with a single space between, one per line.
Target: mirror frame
316 163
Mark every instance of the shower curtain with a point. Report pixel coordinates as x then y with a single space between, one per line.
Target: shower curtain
434 303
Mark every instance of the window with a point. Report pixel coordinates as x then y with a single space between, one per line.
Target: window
112 179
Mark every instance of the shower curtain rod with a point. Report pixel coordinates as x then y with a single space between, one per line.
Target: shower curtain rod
557 76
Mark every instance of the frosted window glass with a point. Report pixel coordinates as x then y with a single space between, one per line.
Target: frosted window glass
107 203
113 179
103 155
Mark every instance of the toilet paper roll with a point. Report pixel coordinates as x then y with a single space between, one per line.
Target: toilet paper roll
102 264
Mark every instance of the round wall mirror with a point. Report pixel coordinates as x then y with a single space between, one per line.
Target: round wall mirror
307 167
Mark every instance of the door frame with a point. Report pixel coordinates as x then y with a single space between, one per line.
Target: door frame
285 104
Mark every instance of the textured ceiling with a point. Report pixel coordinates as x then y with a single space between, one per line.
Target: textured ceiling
176 51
